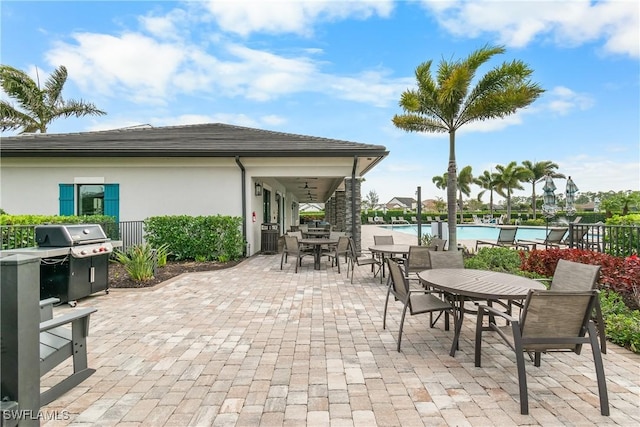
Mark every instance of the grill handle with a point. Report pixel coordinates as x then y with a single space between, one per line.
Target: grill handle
92 275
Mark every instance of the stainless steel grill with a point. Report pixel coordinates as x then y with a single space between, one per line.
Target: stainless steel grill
74 260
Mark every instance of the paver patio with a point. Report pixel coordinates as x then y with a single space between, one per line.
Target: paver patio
254 345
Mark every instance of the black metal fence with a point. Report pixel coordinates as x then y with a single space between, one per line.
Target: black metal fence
23 236
618 240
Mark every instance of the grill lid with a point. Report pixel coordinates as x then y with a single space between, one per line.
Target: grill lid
60 235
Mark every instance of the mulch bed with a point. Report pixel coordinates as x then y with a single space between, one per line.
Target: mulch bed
119 278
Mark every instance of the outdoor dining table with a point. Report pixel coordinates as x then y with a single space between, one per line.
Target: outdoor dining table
317 244
385 250
316 233
463 283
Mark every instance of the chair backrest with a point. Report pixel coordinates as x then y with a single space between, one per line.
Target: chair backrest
418 259
398 283
576 220
577 234
555 320
446 259
304 228
383 240
337 234
290 243
343 244
574 276
437 244
555 235
370 220
507 234
296 233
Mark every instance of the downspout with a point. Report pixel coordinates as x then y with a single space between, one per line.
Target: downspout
243 181
353 196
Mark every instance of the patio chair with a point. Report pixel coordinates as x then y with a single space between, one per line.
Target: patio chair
572 276
414 220
386 240
335 251
506 239
438 244
415 301
353 260
417 260
446 259
553 239
578 238
549 321
370 220
293 248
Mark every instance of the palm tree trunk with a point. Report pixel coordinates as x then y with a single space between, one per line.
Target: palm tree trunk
452 180
533 198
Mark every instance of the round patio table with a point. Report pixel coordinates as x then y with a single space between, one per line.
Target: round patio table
317 244
390 250
464 283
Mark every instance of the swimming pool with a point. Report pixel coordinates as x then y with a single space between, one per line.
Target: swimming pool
471 232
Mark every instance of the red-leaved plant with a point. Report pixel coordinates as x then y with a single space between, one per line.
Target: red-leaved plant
621 275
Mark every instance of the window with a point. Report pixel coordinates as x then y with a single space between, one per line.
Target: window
266 205
90 199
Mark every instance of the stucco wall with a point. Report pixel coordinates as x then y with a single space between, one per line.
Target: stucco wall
147 187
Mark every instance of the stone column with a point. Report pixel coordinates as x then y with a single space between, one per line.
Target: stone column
355 233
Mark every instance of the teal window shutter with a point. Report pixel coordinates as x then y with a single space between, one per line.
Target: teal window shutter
66 200
112 201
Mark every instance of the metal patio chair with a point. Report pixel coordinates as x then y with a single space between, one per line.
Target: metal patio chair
549 321
353 260
414 301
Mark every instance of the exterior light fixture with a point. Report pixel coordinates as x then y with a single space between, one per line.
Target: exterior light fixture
258 189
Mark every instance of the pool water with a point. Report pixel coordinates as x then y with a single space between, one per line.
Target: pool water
473 232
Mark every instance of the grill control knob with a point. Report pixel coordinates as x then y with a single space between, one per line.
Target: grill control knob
95 250
83 252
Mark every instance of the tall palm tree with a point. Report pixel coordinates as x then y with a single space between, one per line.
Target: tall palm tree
37 107
538 171
509 178
446 103
464 180
487 181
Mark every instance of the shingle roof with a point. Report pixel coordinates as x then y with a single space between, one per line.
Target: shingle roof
204 140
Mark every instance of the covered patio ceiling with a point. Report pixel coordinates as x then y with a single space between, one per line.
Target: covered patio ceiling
312 189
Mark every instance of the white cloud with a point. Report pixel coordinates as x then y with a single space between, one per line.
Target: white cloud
567 23
563 100
244 17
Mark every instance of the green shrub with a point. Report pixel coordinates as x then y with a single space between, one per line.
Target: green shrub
199 238
162 253
138 261
624 329
495 259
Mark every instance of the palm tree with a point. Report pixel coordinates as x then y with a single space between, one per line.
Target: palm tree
509 178
446 103
37 107
487 181
538 171
440 181
464 179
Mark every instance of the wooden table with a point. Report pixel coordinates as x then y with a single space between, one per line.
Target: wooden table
317 244
389 249
463 283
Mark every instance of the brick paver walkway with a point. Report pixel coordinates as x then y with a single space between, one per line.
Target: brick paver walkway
254 345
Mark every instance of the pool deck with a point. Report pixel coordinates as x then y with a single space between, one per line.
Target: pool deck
254 345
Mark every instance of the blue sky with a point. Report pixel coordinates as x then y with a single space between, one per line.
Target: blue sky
336 69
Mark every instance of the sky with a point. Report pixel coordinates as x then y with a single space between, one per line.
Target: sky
337 69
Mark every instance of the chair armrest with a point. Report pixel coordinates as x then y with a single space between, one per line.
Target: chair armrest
66 318
495 311
49 301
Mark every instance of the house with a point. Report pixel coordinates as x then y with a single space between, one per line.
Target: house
208 169
408 203
311 207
